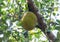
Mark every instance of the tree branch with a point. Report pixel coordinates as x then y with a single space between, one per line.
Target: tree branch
40 18
41 22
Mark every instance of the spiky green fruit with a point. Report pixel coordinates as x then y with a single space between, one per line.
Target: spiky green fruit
29 20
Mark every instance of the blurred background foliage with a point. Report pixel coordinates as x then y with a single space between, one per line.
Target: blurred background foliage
11 12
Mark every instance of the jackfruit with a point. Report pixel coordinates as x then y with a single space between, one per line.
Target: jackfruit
29 20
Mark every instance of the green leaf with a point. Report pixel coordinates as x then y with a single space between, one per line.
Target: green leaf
0 39
1 1
54 14
57 27
58 21
23 1
36 35
8 0
58 37
55 8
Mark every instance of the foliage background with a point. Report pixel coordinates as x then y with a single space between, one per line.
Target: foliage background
11 12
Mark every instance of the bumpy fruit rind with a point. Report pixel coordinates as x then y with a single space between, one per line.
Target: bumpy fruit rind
29 20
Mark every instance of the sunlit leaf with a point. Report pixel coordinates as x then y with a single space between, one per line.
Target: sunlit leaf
8 0
55 8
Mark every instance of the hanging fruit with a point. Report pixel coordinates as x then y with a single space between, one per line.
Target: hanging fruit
29 20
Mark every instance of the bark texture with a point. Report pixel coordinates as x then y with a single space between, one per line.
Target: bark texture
41 22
